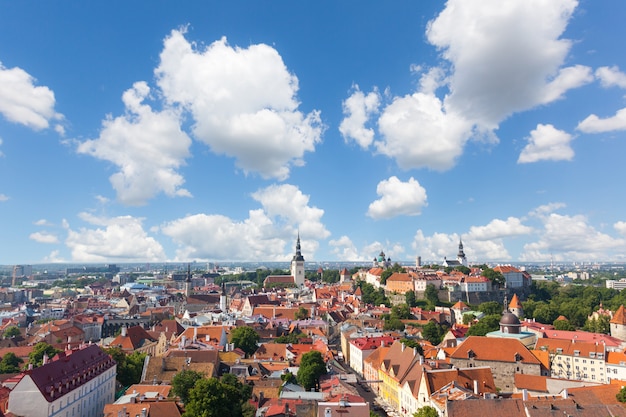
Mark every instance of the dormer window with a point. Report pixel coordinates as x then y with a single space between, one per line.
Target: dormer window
559 350
471 354
576 352
592 354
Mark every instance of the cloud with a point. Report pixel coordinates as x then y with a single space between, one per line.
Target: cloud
358 109
611 76
620 227
3 197
398 198
594 124
53 258
120 239
147 146
344 250
418 133
481 244
268 234
546 143
42 222
24 103
243 103
570 237
43 237
524 59
498 228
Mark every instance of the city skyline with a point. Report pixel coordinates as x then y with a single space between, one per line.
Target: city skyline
143 133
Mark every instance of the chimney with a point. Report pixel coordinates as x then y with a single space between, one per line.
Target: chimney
476 392
524 395
162 364
328 412
144 412
402 347
124 331
44 359
564 393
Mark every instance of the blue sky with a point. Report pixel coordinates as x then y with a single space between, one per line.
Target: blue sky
153 131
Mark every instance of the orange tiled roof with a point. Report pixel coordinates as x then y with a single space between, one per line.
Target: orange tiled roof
494 349
514 303
620 316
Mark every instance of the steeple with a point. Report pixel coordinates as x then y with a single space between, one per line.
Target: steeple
461 255
188 281
298 256
297 265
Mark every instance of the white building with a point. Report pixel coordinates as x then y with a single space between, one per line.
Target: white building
75 383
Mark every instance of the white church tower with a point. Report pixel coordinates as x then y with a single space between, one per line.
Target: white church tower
297 266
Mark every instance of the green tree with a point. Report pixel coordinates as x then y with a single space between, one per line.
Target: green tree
468 318
490 307
410 298
426 411
183 382
393 324
10 363
11 331
245 338
312 367
433 332
485 325
600 325
293 338
431 294
494 276
385 275
35 357
545 313
245 390
413 344
563 325
212 398
621 395
302 313
129 367
463 269
401 311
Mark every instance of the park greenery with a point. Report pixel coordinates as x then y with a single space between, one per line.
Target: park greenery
245 338
129 366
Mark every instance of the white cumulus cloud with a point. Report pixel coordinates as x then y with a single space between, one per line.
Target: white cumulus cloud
116 239
243 103
44 237
147 146
482 80
595 124
21 101
571 237
498 228
611 76
398 198
546 143
267 234
358 109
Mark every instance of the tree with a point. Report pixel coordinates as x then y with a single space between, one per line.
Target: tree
312 367
413 344
245 390
129 367
490 307
433 332
410 298
183 382
468 318
11 331
426 411
245 338
485 325
10 363
301 314
212 398
401 311
600 325
563 325
494 276
35 357
385 274
393 324
621 395
431 294
545 313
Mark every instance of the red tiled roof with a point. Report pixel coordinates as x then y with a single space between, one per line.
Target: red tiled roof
494 349
67 367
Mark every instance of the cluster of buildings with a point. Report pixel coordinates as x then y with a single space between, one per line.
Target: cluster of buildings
524 368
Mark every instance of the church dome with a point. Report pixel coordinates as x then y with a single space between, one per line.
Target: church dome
509 319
